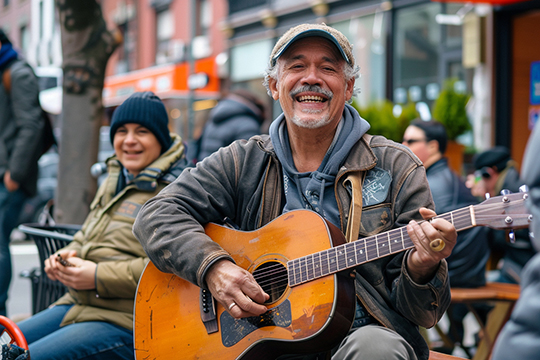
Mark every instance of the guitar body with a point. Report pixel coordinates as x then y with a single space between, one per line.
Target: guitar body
311 317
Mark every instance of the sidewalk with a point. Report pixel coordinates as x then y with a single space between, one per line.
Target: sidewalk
24 256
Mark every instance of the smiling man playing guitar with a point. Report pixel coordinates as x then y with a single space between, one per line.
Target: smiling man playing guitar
285 288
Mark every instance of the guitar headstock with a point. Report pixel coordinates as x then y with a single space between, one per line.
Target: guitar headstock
506 211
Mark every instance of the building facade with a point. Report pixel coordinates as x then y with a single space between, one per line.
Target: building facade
407 50
155 55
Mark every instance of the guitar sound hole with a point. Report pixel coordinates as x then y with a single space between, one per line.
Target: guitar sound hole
272 277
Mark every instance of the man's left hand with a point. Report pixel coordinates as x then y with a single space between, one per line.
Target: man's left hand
424 260
10 184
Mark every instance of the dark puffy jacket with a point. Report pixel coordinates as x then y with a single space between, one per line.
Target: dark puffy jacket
467 263
230 120
21 127
520 337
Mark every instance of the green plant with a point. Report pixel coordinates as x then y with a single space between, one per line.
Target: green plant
450 110
380 115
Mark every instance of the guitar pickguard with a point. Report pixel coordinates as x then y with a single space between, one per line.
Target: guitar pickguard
233 330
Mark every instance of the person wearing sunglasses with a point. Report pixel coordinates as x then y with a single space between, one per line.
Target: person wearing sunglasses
467 263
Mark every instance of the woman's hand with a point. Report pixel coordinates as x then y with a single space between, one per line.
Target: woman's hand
52 264
80 276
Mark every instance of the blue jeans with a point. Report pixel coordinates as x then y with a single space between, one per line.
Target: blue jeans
10 207
85 340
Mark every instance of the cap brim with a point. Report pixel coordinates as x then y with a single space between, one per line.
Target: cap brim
310 33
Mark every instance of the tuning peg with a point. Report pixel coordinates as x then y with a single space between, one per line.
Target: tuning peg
512 236
523 188
487 196
505 192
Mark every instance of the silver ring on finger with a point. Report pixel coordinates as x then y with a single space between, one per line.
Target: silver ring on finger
233 304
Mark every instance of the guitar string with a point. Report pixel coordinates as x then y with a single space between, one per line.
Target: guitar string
372 243
372 246
313 267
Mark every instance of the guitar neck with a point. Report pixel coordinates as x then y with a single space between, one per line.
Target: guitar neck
342 257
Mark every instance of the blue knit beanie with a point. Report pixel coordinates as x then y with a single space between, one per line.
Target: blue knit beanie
146 109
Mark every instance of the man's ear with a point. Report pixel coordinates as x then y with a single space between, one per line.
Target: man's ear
433 146
350 88
272 84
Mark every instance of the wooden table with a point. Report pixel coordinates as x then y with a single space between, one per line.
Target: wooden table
504 296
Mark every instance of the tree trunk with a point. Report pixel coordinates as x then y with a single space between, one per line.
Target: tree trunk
86 48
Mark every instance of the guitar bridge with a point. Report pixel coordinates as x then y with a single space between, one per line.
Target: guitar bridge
207 306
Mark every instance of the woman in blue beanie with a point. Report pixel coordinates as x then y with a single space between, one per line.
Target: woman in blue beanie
102 266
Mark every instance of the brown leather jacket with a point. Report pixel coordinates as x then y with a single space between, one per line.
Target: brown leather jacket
106 238
244 182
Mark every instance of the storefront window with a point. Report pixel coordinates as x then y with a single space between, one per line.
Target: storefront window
367 34
249 60
416 53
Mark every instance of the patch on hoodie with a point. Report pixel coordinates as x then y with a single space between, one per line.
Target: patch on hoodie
129 209
376 187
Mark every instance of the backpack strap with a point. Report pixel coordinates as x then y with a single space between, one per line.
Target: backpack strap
6 79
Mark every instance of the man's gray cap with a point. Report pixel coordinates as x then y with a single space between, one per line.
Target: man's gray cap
308 30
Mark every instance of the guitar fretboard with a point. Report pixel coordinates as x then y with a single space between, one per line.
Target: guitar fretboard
342 257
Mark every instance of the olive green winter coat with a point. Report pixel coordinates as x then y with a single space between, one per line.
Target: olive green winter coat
106 238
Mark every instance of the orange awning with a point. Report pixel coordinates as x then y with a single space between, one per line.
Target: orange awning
167 81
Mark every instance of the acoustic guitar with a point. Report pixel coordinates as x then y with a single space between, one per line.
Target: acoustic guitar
304 264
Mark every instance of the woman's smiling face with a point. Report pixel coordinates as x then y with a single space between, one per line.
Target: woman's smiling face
136 147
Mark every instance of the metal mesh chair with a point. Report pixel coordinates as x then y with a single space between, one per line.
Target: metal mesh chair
48 240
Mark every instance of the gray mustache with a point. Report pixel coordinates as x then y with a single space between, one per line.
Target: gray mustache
312 88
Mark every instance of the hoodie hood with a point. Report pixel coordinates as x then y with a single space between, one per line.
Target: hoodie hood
315 190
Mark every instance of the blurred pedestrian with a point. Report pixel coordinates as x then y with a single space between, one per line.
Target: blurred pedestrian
497 171
467 263
520 337
102 265
238 115
21 128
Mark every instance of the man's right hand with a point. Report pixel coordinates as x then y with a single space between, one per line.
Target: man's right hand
236 290
10 184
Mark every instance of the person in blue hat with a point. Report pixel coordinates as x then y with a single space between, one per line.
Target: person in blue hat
21 129
103 263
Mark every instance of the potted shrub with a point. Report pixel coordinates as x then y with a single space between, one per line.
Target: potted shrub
381 117
450 110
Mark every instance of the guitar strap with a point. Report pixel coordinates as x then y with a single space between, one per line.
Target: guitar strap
356 179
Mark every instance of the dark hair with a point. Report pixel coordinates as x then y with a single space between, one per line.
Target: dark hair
434 130
3 38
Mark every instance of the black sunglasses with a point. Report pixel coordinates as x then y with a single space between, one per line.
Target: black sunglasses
412 141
